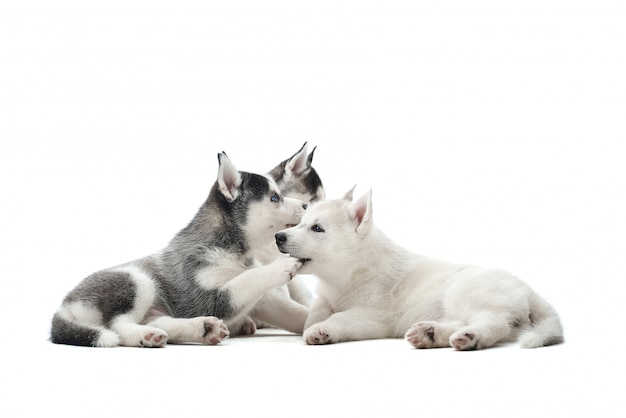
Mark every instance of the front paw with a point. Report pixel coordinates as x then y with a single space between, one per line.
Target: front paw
285 267
317 335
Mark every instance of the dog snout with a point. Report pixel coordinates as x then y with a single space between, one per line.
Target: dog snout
304 206
281 238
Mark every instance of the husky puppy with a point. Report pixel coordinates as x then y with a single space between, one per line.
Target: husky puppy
206 272
372 288
286 307
296 178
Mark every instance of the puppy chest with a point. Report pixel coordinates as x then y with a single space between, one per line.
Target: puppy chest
216 276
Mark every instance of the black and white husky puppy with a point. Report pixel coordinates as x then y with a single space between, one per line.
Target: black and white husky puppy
296 178
287 307
206 272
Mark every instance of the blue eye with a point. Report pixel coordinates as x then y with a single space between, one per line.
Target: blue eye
275 197
317 228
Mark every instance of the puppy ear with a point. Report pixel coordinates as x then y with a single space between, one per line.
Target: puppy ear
309 159
298 163
228 178
361 211
348 195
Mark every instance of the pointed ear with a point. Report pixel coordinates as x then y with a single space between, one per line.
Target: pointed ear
228 178
298 163
361 211
348 195
309 159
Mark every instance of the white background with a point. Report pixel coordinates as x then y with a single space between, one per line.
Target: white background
490 132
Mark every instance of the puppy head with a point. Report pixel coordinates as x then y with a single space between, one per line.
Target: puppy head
330 233
254 202
296 177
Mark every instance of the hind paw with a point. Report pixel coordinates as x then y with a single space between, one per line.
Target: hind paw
464 340
214 331
421 334
153 339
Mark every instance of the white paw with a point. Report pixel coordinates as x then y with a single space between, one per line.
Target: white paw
465 340
213 330
153 338
285 268
421 334
317 335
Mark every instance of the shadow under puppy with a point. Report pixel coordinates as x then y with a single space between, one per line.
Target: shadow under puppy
372 288
207 271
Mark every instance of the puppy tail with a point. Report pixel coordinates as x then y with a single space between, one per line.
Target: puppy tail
545 328
66 331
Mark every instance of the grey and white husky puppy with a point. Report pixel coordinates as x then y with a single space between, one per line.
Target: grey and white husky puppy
207 271
372 288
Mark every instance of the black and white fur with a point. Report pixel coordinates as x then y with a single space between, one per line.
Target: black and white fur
207 271
372 288
297 178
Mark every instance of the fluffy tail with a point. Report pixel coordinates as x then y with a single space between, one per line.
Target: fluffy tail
545 328
66 331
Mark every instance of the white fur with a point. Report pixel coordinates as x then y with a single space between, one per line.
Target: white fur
268 217
373 288
224 266
81 313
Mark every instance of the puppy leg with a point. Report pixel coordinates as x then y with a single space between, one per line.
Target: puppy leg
202 329
299 292
133 334
320 311
352 325
432 334
128 325
283 291
278 309
483 330
247 288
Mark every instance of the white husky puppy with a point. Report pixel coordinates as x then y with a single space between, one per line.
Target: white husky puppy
207 271
372 288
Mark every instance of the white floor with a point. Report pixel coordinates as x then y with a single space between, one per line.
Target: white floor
276 375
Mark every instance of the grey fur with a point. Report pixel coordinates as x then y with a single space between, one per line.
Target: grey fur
112 292
66 332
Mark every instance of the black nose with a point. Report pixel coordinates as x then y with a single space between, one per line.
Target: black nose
281 238
304 206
